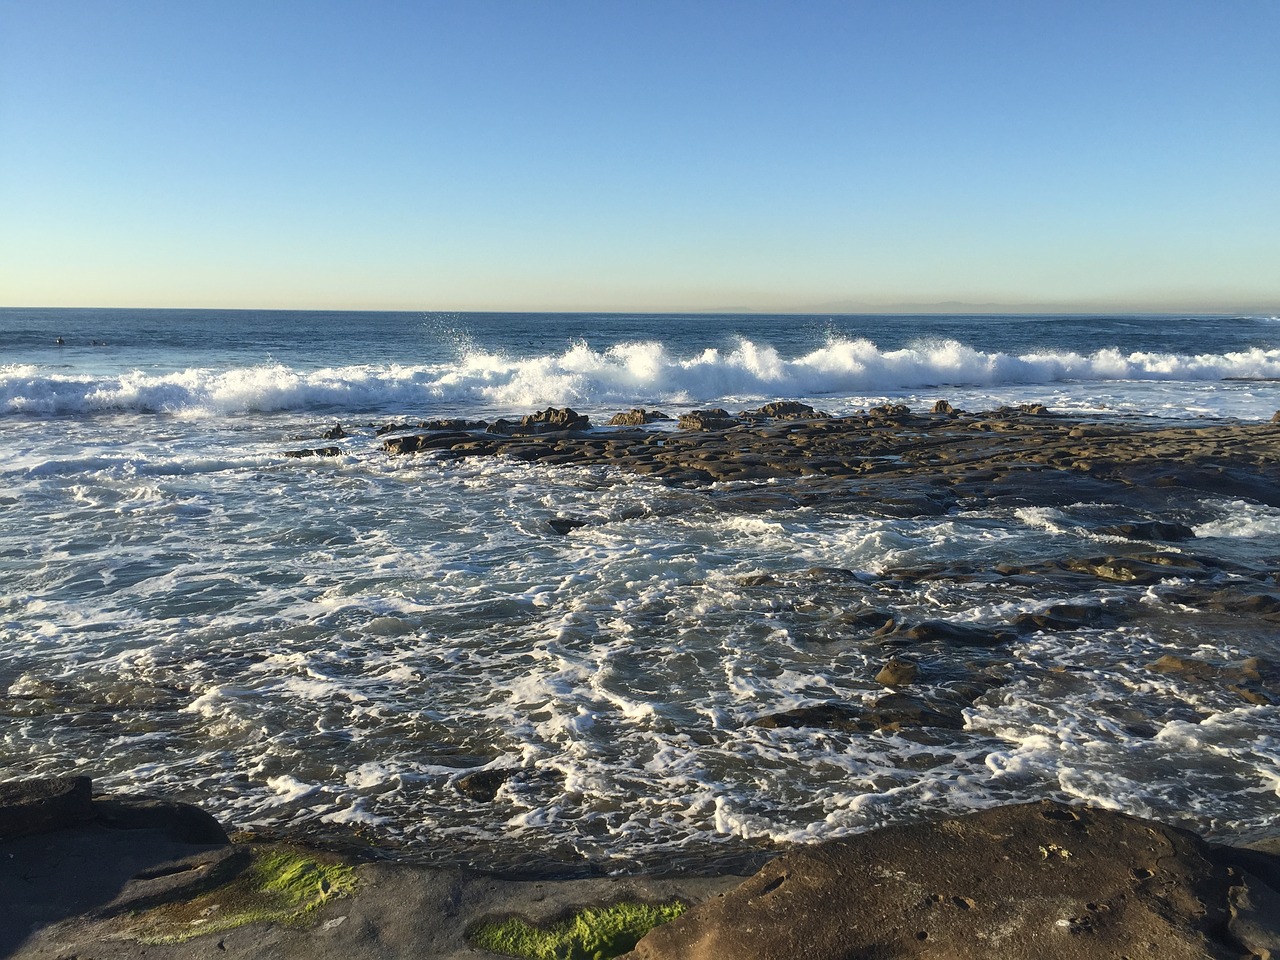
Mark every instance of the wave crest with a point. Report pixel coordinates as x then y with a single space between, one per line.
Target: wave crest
632 372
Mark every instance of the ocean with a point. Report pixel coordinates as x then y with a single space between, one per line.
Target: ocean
407 654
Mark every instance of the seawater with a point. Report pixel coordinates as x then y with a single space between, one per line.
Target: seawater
324 647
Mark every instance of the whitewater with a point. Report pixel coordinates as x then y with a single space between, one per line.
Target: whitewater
330 647
846 373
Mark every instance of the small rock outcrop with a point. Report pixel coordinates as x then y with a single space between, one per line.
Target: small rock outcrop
713 419
637 417
789 410
1150 530
550 420
897 673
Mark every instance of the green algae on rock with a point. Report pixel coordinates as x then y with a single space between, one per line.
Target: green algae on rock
593 933
280 885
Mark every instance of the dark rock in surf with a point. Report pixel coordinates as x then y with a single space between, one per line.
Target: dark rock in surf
830 716
563 525
1061 616
953 634
550 420
790 410
713 419
335 433
897 673
455 424
483 785
943 407
1253 680
1150 530
637 417
889 713
316 452
414 442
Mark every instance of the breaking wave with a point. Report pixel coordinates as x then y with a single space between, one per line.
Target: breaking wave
634 372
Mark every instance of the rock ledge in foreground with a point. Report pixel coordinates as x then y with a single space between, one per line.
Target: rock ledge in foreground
1040 880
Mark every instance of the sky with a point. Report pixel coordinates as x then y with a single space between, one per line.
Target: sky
642 155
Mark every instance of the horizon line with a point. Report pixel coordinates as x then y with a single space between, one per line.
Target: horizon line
943 307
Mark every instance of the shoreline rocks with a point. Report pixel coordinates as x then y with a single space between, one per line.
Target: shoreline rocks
1040 880
909 464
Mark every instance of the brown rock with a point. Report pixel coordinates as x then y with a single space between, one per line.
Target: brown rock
637 417
713 419
789 410
550 420
1039 880
897 673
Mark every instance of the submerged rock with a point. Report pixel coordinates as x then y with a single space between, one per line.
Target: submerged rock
954 634
890 713
1150 530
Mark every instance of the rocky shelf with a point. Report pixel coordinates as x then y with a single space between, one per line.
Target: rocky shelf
127 877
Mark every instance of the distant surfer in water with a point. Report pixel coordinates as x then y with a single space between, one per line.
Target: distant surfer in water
60 342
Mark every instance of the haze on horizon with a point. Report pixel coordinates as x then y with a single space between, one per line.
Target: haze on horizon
471 155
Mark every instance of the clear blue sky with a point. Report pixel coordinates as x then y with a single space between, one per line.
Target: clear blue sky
640 154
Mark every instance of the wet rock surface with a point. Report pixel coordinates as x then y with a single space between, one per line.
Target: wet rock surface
928 462
105 887
1039 880
1035 880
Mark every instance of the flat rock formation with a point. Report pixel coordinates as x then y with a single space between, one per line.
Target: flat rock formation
146 878
1025 453
120 878
1041 880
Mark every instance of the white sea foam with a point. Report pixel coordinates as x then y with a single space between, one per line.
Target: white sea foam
626 373
328 643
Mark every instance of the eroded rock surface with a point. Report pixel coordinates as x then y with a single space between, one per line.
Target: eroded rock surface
1040 880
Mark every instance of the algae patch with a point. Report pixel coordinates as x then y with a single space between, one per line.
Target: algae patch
594 933
280 885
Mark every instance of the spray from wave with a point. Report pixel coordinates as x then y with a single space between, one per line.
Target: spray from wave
633 372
